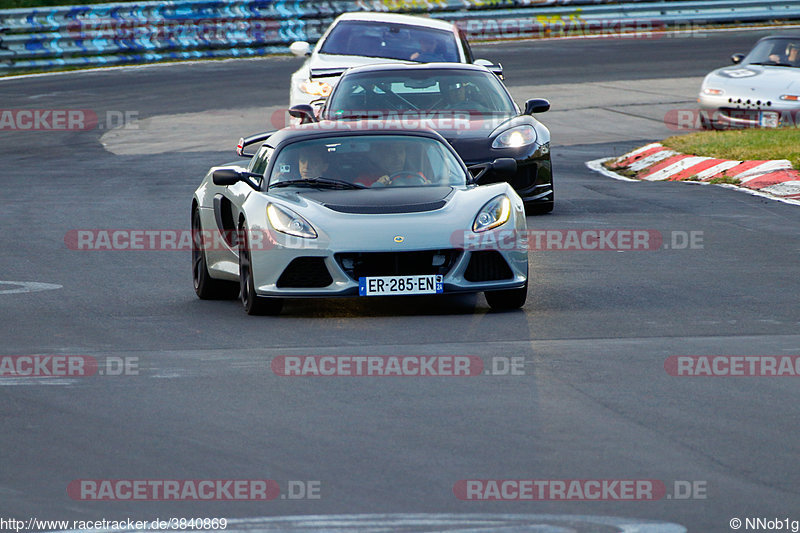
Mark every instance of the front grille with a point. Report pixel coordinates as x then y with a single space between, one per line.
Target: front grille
367 264
305 272
487 265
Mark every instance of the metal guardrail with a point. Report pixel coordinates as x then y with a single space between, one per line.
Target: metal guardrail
109 34
619 19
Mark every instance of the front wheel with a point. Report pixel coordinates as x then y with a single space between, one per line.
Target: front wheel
253 304
507 299
206 287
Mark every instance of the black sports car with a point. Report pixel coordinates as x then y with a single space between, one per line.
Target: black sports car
467 104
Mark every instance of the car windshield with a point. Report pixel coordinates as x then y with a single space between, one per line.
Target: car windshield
419 90
370 160
392 41
783 52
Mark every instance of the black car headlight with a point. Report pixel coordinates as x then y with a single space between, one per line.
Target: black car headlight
515 137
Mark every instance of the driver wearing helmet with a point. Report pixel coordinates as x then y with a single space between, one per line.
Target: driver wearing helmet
790 57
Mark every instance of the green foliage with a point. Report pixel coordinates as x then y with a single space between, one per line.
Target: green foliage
741 145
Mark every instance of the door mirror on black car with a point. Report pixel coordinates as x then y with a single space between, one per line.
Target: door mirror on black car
536 105
502 167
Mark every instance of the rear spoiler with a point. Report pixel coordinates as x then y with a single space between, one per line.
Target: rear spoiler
497 70
327 72
244 142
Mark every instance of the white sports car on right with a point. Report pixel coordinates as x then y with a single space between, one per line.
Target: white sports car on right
762 89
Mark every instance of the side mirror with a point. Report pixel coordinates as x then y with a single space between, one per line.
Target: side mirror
226 176
300 48
536 105
502 167
304 112
737 58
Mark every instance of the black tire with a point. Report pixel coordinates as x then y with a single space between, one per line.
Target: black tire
508 299
206 287
253 304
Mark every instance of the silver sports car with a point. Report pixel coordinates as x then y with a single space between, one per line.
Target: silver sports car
761 90
328 209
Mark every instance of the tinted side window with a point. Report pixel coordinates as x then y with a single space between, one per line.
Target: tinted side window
261 160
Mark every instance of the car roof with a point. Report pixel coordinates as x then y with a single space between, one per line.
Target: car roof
383 67
345 128
392 18
788 35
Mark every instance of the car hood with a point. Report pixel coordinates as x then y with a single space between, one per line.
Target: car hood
380 200
754 78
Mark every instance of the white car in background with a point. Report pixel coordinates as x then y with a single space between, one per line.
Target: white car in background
762 89
356 39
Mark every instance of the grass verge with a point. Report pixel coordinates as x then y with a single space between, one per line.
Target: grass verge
741 145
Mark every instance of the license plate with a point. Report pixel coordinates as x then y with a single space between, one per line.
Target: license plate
395 285
768 119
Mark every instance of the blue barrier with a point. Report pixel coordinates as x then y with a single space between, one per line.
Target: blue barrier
112 34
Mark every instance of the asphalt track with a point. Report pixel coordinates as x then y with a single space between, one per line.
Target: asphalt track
595 401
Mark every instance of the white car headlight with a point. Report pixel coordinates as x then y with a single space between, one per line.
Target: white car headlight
315 88
714 92
495 213
515 137
289 222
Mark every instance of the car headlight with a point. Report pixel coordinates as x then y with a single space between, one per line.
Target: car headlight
713 92
495 213
515 137
790 97
315 88
289 222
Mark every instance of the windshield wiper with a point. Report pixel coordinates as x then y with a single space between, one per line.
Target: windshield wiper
326 183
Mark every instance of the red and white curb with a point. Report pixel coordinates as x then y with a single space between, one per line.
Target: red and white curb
773 179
